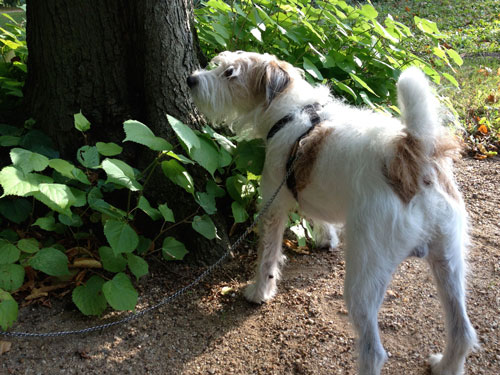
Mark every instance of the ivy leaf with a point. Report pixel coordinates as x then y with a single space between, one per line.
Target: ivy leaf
206 155
108 149
81 122
88 156
250 156
28 245
207 202
121 174
98 204
28 161
120 292
68 170
167 213
8 310
178 175
57 197
15 182
137 132
89 298
205 226
50 261
121 236
184 133
173 249
239 212
362 83
11 277
137 265
8 252
110 261
144 205
310 68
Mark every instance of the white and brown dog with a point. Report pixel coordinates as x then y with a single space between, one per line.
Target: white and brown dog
390 181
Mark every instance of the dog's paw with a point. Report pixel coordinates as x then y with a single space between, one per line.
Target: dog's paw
436 362
325 236
257 294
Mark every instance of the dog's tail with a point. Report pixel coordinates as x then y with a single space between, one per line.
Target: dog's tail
419 107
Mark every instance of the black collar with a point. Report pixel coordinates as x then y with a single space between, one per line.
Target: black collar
310 109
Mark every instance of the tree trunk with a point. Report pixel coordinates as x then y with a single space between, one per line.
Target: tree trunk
114 60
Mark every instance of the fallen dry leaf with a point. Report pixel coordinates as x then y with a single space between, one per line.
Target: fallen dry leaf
483 129
86 263
5 346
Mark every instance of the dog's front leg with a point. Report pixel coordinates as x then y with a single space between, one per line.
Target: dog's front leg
270 257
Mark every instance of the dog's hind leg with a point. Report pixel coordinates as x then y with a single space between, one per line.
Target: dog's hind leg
325 235
446 258
368 272
270 257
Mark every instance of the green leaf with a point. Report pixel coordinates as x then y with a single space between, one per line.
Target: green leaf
8 310
88 156
57 197
11 277
178 175
71 221
183 159
137 265
15 210
167 213
368 11
28 245
144 205
15 182
28 161
50 261
121 236
81 122
98 204
184 133
89 298
173 249
206 155
110 261
250 156
205 226
144 245
362 83
108 149
9 140
8 252
214 189
120 292
68 170
239 212
121 174
240 189
310 68
47 223
206 201
450 78
457 59
137 132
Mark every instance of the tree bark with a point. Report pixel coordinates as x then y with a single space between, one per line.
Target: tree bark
114 60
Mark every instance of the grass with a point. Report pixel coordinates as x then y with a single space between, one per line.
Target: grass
472 28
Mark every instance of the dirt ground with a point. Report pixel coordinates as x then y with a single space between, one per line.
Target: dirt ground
304 330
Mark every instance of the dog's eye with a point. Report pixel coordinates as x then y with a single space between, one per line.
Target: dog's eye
229 72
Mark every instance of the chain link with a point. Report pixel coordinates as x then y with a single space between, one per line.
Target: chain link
173 296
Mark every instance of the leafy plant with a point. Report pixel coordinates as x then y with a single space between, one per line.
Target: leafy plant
76 198
332 41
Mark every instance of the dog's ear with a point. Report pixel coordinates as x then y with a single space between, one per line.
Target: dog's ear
276 79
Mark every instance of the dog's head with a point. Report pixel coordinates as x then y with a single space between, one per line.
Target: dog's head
240 85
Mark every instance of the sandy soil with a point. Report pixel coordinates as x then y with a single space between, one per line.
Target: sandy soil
305 330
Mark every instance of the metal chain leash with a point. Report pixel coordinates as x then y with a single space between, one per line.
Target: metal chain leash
175 295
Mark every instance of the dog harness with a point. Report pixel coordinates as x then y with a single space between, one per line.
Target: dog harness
315 119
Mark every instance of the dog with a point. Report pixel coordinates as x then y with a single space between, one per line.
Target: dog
388 180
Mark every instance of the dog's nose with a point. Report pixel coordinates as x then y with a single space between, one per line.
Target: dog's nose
192 81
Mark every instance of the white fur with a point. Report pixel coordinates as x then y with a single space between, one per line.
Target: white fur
347 185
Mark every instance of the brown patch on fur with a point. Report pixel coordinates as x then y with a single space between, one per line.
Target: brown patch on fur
447 147
307 154
404 172
269 79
